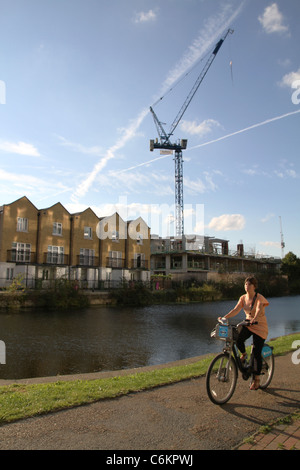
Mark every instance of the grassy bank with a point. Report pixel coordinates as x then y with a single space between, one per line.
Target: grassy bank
19 401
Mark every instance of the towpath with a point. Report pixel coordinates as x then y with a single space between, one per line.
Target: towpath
173 417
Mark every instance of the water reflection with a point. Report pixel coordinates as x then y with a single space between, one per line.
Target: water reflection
50 343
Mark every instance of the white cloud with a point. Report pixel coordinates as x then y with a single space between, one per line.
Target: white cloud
284 62
96 151
144 17
290 78
28 184
268 217
205 127
199 186
227 222
287 173
269 243
20 148
272 20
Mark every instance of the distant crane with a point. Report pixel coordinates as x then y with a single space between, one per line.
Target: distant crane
282 244
164 142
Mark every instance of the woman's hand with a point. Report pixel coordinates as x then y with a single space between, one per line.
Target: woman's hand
222 319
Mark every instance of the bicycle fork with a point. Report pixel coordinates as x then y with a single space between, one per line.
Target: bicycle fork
223 372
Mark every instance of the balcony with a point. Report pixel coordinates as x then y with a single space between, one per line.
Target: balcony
20 256
196 264
138 264
87 261
55 258
118 263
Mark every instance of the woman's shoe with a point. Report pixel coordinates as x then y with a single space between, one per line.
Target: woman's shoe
255 384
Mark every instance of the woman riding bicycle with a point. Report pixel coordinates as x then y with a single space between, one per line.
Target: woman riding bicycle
254 307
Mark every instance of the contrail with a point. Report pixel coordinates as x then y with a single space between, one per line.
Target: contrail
215 25
246 129
217 140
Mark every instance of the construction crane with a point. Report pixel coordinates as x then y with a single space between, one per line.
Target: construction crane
164 142
282 244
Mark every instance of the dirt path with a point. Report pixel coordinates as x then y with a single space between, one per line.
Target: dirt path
173 417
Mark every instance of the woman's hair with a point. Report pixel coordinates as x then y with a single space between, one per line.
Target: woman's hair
252 280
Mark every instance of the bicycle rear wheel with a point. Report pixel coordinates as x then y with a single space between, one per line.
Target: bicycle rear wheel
267 371
221 378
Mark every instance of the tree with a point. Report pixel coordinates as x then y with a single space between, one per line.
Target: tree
291 268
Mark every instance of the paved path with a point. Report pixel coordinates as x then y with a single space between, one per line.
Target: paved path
280 437
173 417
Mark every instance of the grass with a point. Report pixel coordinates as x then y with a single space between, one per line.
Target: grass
19 401
289 419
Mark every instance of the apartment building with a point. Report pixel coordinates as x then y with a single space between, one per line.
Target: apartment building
50 243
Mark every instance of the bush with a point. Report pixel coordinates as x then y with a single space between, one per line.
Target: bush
132 294
65 294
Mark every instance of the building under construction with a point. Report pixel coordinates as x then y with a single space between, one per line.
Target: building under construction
204 258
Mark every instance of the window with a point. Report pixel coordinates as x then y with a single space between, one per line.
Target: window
115 236
45 274
22 224
55 254
87 233
21 252
139 239
86 257
139 260
57 228
9 274
115 259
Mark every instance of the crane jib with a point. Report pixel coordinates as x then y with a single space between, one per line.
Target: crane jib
218 45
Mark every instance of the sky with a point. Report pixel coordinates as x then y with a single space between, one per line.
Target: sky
77 79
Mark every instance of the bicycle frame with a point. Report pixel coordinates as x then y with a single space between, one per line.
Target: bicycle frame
232 349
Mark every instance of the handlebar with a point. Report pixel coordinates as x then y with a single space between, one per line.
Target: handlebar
246 322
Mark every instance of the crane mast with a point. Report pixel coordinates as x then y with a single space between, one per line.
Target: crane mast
164 139
282 244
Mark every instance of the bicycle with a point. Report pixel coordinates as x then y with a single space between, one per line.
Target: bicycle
222 373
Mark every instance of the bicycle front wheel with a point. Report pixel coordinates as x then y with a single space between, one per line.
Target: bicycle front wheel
221 378
267 371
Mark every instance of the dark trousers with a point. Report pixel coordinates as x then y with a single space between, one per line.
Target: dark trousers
258 343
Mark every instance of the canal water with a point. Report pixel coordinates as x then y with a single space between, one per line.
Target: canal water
40 344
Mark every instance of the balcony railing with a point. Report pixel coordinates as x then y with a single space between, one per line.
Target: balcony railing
55 258
138 264
83 260
21 256
115 263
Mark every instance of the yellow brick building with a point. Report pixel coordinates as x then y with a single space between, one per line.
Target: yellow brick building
50 243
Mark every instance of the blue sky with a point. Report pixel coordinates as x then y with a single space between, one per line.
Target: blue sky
77 78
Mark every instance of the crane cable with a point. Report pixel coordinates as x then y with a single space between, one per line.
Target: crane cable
182 78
